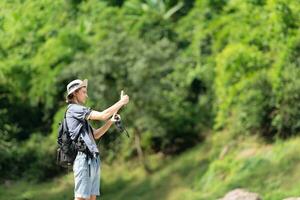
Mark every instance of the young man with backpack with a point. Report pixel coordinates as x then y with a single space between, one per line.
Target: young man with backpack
86 166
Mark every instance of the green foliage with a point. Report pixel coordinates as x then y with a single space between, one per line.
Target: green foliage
252 109
286 90
238 85
188 66
245 50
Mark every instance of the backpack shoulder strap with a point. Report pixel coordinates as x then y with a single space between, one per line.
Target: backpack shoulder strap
65 117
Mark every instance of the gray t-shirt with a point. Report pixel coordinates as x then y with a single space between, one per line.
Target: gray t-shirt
78 125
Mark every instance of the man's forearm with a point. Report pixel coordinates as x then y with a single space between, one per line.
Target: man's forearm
113 109
103 129
107 113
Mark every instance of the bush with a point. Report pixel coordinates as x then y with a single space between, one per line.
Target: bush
252 106
286 87
234 64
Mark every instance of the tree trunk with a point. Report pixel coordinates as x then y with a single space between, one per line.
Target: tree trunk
141 156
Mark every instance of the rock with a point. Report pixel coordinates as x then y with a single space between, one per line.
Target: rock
241 194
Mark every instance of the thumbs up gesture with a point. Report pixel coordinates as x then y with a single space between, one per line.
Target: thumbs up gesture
124 98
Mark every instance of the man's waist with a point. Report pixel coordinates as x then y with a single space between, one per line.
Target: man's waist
84 143
94 154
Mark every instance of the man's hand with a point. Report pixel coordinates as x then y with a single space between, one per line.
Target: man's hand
115 118
124 98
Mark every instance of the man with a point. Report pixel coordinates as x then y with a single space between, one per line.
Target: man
86 166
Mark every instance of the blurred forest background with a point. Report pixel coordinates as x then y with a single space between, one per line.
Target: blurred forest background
206 78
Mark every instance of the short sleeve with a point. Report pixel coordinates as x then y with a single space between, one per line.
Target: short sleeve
79 112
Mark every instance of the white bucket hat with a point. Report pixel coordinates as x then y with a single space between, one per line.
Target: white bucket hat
75 85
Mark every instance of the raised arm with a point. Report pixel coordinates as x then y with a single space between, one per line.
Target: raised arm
102 130
107 113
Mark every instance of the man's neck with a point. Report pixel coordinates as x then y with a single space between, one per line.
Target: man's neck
77 102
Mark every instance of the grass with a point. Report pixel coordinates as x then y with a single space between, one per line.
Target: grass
205 172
